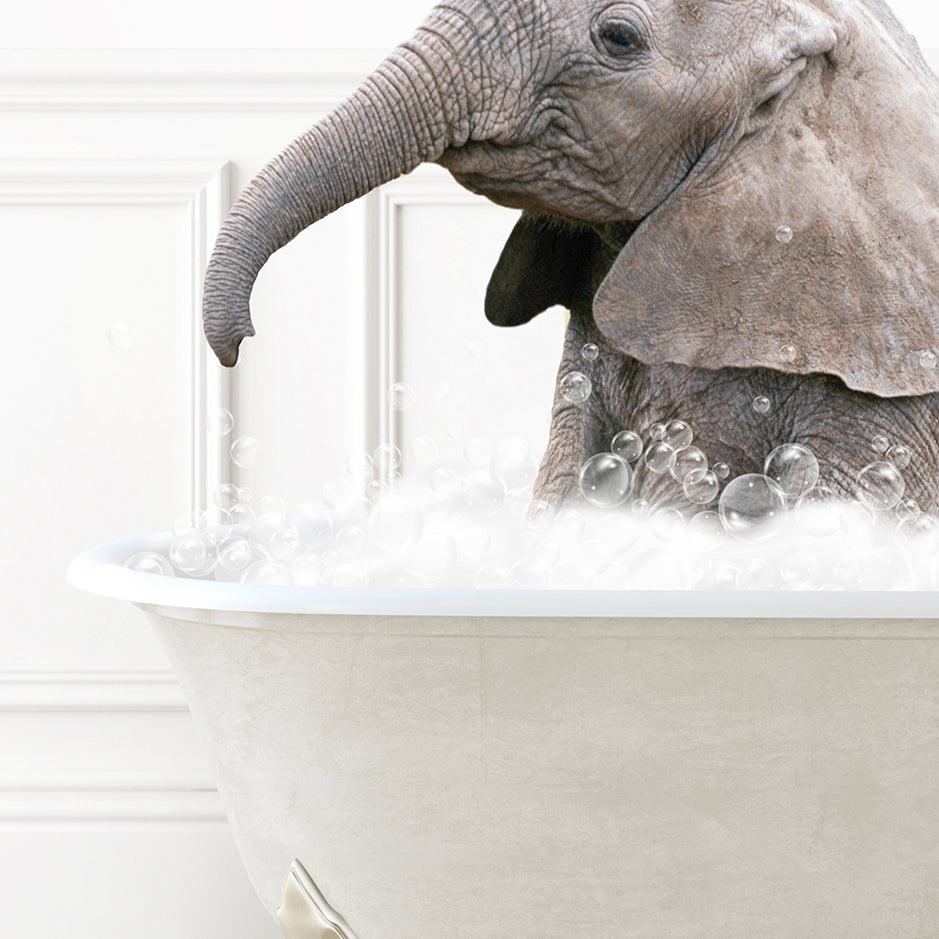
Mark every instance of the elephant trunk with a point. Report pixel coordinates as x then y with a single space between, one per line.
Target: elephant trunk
412 108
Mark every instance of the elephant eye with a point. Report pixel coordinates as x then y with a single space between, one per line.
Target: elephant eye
620 38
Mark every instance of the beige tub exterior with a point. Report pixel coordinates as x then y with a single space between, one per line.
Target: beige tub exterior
465 775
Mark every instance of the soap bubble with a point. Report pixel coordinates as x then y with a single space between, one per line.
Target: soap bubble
590 351
899 456
424 450
444 481
512 464
911 530
530 574
547 550
149 562
192 554
122 336
573 574
787 354
434 555
235 554
394 523
350 575
660 457
241 513
472 540
907 508
879 443
376 489
244 452
761 404
678 435
219 422
477 451
285 543
493 576
857 520
657 569
267 572
309 570
784 234
927 359
640 508
752 507
799 566
313 523
350 541
272 510
723 576
482 497
876 569
618 531
708 526
476 348
358 466
793 468
569 524
759 574
540 515
700 486
575 387
196 519
880 485
605 480
819 511
338 496
721 470
386 458
686 460
226 496
656 431
668 524
441 391
628 445
401 395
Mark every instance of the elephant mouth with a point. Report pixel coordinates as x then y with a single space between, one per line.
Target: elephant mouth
520 177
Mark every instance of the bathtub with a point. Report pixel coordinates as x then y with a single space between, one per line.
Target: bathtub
432 764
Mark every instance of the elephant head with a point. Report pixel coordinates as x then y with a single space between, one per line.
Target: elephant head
762 170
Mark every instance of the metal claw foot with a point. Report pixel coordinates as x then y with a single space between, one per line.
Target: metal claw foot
304 913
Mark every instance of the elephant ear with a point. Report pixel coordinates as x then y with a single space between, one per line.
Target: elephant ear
813 246
543 263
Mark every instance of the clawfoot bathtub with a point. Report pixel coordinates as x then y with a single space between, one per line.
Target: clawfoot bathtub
547 765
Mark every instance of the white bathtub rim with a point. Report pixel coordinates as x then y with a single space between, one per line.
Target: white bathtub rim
100 571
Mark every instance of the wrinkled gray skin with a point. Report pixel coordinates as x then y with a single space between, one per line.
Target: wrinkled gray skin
655 146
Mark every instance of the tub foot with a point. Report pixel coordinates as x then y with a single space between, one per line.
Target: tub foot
304 913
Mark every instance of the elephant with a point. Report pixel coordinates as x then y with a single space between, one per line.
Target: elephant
734 199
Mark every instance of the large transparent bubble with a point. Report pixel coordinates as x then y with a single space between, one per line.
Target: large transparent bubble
793 468
605 480
880 485
752 507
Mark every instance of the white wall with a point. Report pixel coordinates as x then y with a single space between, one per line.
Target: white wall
115 172
115 168
211 24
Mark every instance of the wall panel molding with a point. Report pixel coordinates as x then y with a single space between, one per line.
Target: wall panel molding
181 80
67 795
74 692
426 186
203 190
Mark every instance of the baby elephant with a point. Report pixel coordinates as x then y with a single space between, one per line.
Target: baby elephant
738 202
